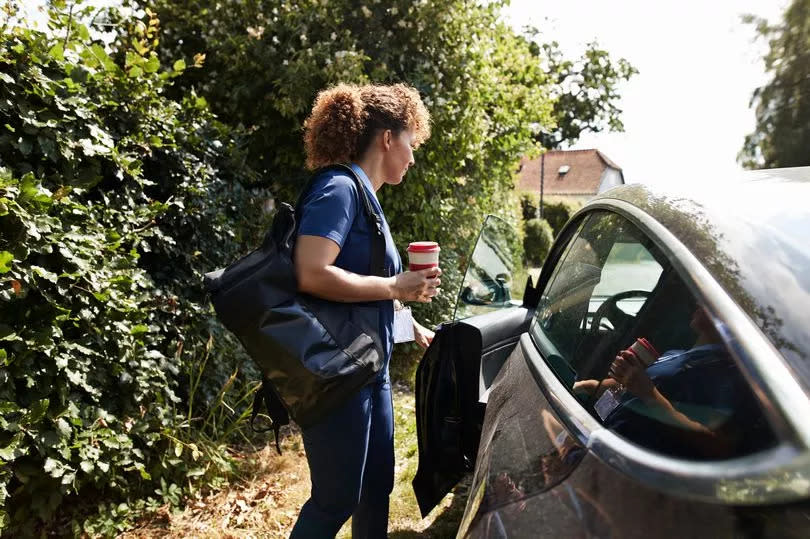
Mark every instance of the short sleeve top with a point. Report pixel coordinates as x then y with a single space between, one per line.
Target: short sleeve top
333 209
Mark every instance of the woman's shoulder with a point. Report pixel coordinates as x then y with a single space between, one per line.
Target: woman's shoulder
335 179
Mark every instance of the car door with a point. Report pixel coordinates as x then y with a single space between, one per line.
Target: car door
715 458
452 380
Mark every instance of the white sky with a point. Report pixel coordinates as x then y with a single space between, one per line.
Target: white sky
686 113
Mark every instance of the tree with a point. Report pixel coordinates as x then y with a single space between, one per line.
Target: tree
484 85
586 91
782 106
481 82
114 200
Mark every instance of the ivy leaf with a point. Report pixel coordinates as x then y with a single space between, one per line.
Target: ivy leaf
63 427
37 410
14 448
45 274
139 329
53 467
152 65
5 261
86 466
179 65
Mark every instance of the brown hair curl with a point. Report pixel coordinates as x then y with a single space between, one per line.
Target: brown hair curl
345 118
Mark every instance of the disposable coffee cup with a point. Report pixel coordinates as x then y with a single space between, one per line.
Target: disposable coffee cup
423 255
645 351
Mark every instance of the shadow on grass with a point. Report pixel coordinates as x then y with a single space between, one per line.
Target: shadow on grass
446 524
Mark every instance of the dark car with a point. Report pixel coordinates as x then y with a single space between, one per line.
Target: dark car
711 439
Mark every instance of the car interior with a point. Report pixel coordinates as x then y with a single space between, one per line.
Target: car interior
588 316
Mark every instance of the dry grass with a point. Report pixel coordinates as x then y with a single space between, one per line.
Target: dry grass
265 500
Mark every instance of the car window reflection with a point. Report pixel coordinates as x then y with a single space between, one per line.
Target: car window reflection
612 292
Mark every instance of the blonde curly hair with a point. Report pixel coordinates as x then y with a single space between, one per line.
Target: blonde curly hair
345 118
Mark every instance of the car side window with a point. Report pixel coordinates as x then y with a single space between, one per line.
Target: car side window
622 330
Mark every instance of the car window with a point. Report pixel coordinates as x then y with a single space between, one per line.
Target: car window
621 329
495 274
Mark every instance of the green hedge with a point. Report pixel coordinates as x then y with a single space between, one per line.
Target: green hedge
483 84
113 201
537 241
558 213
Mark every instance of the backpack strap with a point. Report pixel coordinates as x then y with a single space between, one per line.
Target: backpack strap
375 223
275 410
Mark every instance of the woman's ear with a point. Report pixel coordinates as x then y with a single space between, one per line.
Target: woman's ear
386 139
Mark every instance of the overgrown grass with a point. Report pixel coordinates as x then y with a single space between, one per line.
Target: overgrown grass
268 490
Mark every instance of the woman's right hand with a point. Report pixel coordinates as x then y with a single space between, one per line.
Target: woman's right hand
628 370
420 285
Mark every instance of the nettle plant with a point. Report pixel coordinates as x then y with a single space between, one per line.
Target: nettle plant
116 382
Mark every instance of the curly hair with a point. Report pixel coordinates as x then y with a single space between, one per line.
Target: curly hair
345 118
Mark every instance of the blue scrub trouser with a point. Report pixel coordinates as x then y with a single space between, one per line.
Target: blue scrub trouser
351 466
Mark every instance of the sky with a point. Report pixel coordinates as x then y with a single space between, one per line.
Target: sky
687 112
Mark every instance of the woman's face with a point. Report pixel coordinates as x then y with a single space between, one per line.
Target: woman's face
399 156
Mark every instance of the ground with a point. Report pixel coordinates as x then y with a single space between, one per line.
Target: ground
264 500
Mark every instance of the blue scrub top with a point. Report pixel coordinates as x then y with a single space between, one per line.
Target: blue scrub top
333 209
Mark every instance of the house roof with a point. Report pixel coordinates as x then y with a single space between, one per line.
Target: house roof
584 175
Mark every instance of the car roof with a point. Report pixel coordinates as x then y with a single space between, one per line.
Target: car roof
751 232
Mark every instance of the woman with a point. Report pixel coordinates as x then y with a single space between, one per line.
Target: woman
351 452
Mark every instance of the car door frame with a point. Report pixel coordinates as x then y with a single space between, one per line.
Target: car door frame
752 479
448 392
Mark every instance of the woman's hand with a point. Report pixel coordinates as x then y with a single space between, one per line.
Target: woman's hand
422 335
629 371
420 285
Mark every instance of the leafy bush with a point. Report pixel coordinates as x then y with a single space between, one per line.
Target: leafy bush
113 200
537 241
482 83
529 204
558 213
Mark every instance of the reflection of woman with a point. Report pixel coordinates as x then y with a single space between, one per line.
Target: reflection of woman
350 452
628 370
703 379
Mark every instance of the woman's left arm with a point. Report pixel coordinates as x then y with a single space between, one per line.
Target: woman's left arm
422 335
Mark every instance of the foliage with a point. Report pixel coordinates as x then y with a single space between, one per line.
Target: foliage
537 241
558 212
782 134
481 82
585 91
113 200
529 205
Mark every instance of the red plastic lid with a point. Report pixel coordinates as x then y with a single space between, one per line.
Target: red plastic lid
423 247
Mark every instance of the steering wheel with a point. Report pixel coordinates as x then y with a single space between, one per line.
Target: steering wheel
610 310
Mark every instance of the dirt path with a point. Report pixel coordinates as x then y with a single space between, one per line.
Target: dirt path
265 500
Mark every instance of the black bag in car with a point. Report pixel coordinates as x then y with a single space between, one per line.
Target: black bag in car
313 353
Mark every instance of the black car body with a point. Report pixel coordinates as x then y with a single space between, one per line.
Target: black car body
718 280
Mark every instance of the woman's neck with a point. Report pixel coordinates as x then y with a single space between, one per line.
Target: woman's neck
373 168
